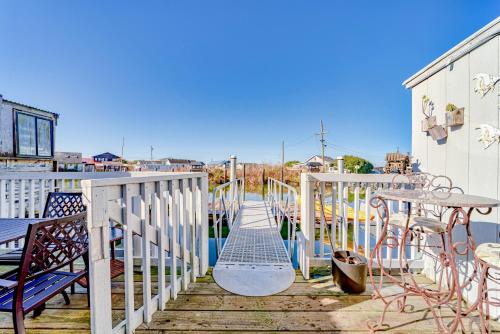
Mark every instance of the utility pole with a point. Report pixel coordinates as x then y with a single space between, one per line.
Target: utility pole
282 161
151 151
322 134
123 146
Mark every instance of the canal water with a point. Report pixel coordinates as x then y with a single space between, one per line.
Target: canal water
261 196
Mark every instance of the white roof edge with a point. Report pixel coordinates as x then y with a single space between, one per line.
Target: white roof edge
412 81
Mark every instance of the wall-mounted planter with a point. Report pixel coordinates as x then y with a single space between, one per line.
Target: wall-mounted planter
455 117
438 132
428 123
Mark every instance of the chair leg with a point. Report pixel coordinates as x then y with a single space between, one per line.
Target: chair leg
18 319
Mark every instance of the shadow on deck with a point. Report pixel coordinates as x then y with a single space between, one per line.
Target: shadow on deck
316 305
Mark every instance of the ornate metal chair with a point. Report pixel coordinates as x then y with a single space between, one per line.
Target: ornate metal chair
488 256
424 222
50 246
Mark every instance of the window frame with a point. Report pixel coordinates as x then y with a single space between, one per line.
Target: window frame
37 117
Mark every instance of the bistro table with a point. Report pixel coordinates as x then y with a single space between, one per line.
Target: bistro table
460 207
13 229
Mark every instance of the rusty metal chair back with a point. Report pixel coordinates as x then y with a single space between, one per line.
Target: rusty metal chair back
53 244
62 204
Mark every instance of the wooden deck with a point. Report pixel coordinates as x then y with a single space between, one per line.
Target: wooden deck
307 306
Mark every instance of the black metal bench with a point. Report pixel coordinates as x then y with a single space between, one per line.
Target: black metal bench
62 204
50 246
58 204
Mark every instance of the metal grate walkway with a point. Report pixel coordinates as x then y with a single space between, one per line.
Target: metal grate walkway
254 261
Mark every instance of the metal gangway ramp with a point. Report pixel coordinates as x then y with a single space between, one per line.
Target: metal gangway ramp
254 260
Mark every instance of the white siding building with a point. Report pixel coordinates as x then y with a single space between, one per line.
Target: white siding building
467 77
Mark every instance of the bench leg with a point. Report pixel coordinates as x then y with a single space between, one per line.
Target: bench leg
71 269
18 319
38 310
66 297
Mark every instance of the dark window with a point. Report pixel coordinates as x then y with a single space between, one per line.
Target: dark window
34 135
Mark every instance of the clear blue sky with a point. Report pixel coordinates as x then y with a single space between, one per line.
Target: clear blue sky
206 79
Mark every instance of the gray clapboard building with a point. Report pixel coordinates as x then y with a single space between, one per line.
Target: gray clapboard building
27 137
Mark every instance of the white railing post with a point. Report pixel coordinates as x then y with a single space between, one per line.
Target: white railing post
307 215
204 225
368 194
99 271
356 218
128 235
232 190
174 237
3 199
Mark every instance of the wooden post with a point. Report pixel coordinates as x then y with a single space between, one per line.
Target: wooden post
225 173
244 179
340 195
99 272
282 161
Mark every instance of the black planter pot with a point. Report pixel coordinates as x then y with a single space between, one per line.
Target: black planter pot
349 271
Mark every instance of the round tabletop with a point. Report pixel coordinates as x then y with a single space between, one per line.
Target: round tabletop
440 198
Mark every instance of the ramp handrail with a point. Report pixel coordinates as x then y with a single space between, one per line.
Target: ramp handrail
226 203
283 200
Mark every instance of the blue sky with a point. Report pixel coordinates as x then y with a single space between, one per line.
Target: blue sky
206 79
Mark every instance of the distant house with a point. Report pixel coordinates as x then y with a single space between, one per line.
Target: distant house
152 166
315 164
397 163
197 166
88 164
26 137
218 164
106 157
68 162
108 162
183 164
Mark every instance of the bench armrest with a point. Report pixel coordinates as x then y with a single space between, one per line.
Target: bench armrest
4 283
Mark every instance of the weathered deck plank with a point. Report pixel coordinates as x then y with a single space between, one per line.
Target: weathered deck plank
307 306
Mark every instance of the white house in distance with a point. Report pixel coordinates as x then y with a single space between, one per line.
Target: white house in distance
466 148
27 136
181 164
315 163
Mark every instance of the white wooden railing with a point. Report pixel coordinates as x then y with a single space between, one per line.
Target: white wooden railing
226 203
23 194
165 214
283 200
321 192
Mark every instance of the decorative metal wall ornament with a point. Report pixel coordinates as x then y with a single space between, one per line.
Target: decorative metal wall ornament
489 134
484 83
